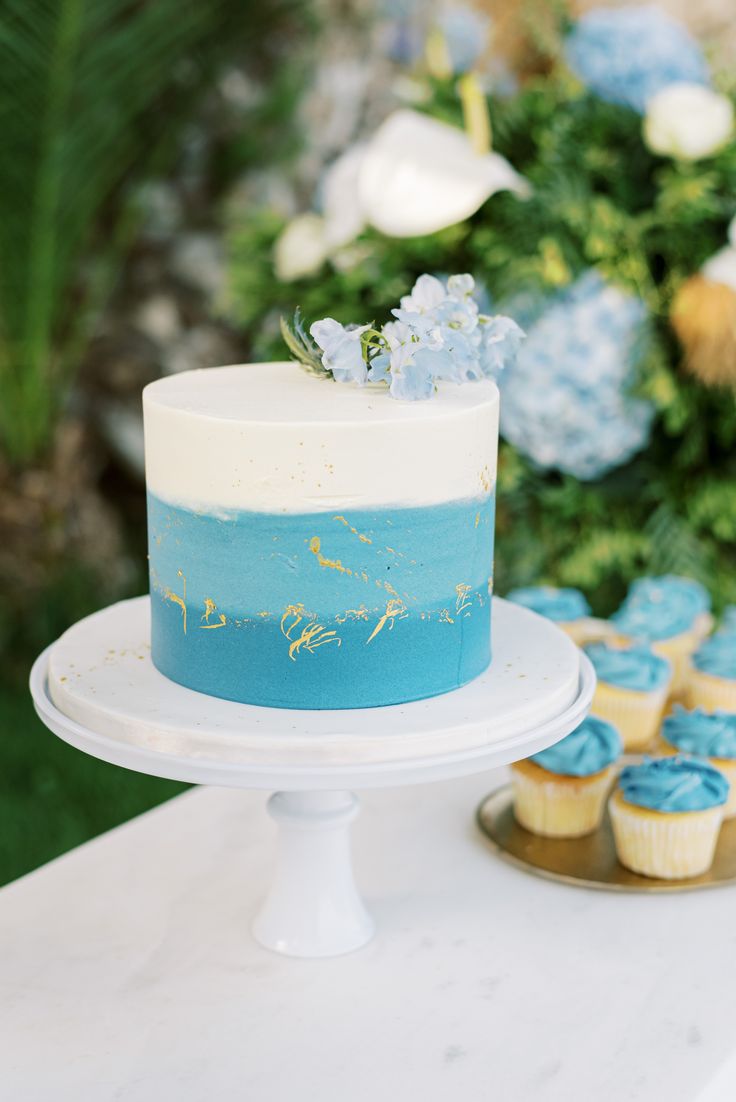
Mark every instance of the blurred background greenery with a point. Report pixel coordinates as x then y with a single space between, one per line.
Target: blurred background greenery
178 176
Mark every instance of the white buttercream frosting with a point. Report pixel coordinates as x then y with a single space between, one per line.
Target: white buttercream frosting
270 437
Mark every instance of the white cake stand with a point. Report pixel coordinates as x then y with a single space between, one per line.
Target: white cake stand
97 689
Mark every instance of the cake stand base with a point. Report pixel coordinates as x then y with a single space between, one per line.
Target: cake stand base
97 689
313 908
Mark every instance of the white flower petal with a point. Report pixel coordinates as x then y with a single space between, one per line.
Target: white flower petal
420 175
688 121
341 206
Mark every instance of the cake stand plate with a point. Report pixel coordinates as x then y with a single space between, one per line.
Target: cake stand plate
97 689
589 862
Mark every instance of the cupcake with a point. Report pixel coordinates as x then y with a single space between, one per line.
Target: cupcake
632 689
666 815
712 682
670 613
561 791
710 735
567 607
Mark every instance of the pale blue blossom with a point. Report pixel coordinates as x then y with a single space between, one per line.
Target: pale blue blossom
437 335
568 404
465 32
342 350
626 55
412 383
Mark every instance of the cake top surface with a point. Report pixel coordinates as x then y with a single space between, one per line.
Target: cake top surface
635 668
674 784
712 734
717 655
282 393
556 604
659 608
592 746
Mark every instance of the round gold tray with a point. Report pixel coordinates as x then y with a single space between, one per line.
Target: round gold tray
589 862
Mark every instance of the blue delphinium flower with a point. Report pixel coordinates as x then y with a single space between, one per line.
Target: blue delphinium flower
342 350
439 334
626 55
567 404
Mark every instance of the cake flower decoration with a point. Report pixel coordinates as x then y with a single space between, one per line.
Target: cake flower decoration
439 334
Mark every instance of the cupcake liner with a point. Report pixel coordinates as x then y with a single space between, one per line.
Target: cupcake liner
711 693
557 806
727 766
636 715
661 844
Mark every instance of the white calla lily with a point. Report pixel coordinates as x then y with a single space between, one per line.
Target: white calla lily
419 175
341 206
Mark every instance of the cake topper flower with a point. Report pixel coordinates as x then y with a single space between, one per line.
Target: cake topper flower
439 334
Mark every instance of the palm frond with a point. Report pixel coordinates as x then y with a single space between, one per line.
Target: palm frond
91 94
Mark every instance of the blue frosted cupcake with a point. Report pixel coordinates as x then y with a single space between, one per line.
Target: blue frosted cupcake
670 613
561 792
567 607
633 685
710 735
712 682
666 815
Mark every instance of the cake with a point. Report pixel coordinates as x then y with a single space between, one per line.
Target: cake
567 607
561 791
318 545
710 735
631 690
671 614
712 683
666 814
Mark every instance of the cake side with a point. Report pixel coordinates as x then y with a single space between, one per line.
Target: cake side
311 550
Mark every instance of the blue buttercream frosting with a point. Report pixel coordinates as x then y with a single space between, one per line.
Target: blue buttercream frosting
560 605
591 747
658 608
322 610
717 655
629 668
674 784
709 734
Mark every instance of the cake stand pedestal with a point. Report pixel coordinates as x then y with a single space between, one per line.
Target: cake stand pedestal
97 689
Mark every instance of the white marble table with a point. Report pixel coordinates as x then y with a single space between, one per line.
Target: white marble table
128 972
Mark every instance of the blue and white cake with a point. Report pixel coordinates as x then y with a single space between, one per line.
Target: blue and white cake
315 545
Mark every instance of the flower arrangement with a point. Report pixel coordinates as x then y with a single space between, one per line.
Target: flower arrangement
611 249
439 334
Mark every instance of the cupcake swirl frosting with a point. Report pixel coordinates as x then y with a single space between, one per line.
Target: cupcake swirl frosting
556 604
635 668
589 748
710 734
659 608
674 784
717 655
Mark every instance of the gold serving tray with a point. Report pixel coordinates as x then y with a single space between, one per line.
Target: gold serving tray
589 862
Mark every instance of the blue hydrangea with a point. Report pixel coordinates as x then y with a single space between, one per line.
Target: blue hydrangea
567 404
626 55
439 335
465 32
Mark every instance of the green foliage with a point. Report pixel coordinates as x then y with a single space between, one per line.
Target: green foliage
600 199
92 95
